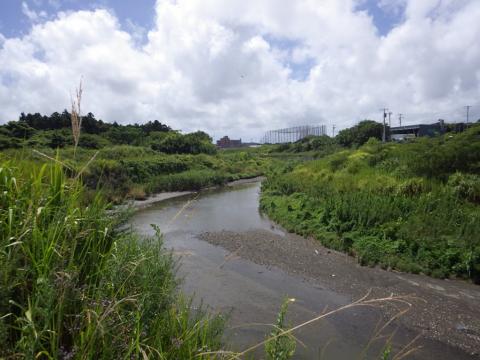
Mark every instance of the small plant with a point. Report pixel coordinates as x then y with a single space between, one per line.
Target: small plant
386 354
280 347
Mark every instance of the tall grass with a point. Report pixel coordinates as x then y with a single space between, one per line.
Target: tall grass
379 204
123 171
73 286
76 117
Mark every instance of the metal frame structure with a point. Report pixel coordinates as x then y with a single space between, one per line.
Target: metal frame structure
290 135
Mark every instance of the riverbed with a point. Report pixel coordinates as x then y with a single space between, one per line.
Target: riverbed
240 263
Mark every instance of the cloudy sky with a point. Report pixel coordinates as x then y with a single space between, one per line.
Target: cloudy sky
241 67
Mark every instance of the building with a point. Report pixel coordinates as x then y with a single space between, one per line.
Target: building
225 143
400 133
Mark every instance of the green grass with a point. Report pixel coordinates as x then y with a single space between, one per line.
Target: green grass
412 207
74 286
135 172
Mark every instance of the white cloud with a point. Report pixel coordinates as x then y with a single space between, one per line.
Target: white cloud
32 15
228 70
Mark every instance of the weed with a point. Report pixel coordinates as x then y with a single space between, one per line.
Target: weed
75 286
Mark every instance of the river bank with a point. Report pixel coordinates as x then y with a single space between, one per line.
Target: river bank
162 196
448 310
241 263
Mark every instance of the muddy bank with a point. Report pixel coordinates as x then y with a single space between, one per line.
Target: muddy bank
159 197
450 312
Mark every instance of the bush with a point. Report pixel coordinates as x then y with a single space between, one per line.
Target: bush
372 250
89 141
360 133
187 180
465 186
6 142
194 143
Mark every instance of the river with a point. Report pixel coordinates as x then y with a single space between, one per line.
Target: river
252 293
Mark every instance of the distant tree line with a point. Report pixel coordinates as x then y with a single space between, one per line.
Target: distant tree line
354 136
54 131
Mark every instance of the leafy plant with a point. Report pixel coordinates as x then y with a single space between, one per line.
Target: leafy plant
280 346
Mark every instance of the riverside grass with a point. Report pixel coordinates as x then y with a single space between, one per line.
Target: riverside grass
412 207
135 172
73 286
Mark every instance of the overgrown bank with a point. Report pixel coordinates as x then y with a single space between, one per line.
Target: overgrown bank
126 161
136 172
74 286
412 207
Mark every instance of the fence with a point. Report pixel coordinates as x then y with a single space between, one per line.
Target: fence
292 134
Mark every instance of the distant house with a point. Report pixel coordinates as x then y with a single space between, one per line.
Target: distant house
225 143
400 133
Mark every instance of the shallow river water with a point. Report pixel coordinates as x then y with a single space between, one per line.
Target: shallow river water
252 294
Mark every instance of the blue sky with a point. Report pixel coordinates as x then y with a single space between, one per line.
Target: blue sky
383 18
14 22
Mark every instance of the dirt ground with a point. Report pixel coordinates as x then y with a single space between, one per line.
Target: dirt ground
449 310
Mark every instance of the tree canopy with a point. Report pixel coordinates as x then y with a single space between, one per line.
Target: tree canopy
360 133
54 131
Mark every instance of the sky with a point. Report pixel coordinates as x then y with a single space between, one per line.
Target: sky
242 67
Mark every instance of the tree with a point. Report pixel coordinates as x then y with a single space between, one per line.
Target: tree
176 143
57 140
19 129
360 133
155 126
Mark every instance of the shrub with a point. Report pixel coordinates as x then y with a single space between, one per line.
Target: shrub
187 180
372 250
465 186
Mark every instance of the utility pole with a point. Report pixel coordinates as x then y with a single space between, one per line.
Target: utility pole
468 112
400 117
333 130
389 119
384 135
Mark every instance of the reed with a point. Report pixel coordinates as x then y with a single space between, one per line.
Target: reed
76 116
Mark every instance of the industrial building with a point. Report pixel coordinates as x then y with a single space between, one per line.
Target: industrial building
400 133
225 143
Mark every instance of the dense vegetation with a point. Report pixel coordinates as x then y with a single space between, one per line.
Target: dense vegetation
130 161
135 171
73 286
324 145
54 131
74 283
411 206
360 133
